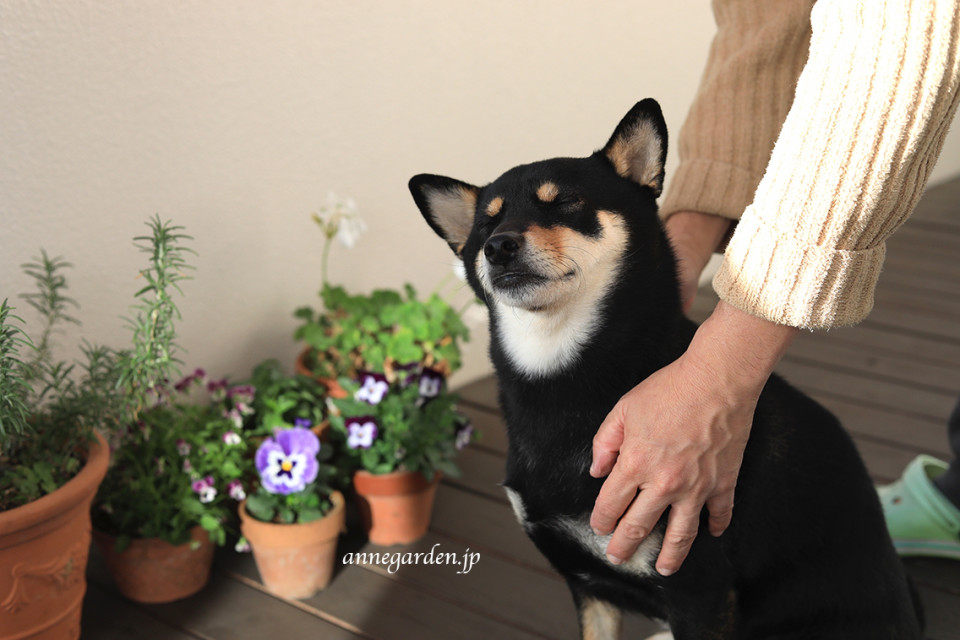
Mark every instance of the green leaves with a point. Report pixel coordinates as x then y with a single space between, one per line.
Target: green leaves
376 331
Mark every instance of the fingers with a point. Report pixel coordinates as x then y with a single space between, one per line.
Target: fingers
616 494
720 508
636 524
682 526
606 444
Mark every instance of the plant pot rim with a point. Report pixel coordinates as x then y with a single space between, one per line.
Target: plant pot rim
336 498
196 532
72 491
400 481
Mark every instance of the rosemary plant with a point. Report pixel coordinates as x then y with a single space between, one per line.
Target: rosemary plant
13 387
178 460
49 409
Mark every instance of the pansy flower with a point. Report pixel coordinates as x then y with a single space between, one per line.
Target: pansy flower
287 463
198 375
303 423
204 488
232 438
431 383
242 546
407 373
373 387
361 432
235 490
464 433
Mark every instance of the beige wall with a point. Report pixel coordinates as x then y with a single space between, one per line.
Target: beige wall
235 118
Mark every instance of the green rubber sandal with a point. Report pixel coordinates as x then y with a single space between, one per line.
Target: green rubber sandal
921 521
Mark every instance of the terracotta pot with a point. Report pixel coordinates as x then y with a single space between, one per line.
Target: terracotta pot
395 507
295 560
153 570
333 387
43 557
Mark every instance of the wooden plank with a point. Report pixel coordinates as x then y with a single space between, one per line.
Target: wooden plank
942 612
910 433
493 433
482 393
228 610
385 607
107 616
831 382
896 367
482 473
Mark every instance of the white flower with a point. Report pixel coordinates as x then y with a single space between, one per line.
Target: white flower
374 388
339 219
242 546
231 438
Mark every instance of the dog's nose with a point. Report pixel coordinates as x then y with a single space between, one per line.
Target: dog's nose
503 247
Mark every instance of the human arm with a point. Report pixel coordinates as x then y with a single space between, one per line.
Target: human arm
871 109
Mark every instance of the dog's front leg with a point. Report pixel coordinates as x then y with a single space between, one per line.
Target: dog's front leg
599 620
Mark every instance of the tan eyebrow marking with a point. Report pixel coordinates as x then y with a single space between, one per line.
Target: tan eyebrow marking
547 192
494 207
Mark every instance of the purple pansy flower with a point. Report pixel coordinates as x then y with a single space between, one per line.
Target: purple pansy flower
205 489
235 489
287 463
304 423
431 383
407 373
373 387
361 432
464 433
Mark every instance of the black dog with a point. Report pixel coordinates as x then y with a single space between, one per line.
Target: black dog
580 281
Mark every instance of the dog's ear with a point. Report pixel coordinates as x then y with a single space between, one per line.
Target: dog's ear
638 147
448 206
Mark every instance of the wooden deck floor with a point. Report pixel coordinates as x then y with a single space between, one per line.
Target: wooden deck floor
893 381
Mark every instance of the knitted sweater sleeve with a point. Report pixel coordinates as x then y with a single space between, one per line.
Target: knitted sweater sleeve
870 111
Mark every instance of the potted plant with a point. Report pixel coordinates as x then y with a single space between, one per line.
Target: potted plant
402 431
51 462
379 331
293 519
177 458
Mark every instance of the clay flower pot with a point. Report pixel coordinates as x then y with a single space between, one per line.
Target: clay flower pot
395 507
295 560
43 557
153 570
333 387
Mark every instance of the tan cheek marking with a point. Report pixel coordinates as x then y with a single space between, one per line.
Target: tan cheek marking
494 207
547 192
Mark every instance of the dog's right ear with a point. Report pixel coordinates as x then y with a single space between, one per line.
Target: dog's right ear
448 206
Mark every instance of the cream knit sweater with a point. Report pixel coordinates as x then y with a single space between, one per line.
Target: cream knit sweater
865 91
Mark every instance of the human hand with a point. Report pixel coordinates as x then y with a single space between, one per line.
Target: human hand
694 237
678 438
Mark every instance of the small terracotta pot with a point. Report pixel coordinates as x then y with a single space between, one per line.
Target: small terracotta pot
152 570
295 560
395 507
43 557
333 387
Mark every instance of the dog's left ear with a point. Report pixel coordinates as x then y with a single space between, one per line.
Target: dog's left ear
448 205
638 147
